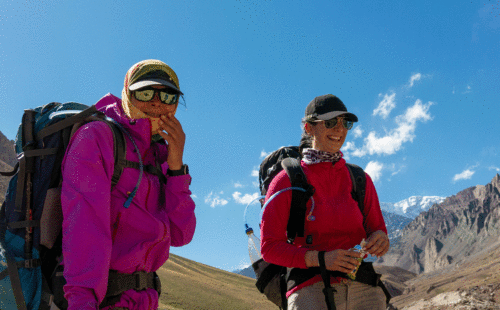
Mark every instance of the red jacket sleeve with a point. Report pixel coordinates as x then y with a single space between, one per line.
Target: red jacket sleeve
372 213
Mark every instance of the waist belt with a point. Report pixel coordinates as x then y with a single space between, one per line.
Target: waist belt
117 284
140 280
121 282
366 274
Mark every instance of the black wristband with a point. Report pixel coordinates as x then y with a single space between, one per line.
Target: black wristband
183 171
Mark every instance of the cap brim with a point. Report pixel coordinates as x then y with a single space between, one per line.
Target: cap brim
333 114
149 82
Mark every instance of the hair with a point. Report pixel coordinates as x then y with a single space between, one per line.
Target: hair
306 139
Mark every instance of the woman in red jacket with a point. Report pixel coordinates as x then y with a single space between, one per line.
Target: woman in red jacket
338 224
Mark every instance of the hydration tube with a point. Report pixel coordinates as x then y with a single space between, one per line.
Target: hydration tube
309 217
141 165
66 112
247 227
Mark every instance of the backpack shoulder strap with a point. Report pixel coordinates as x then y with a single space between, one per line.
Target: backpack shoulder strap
295 226
119 151
358 178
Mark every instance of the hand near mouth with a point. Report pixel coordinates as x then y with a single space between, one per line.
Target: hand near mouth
171 130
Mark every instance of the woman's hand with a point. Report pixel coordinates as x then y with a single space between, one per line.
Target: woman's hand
336 260
171 131
377 244
342 260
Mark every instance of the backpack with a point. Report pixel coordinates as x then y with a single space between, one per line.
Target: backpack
271 278
31 215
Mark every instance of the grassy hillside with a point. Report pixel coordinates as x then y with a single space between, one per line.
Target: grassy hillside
190 285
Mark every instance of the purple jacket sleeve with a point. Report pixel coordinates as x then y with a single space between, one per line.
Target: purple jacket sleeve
85 198
180 211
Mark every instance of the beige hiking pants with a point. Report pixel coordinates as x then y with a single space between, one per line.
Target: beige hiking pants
350 295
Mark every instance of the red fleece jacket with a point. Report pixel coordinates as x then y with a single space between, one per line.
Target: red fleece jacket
338 224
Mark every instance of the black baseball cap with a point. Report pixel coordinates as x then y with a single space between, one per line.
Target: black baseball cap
327 107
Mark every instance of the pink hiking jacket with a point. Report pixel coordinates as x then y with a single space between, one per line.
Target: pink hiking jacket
99 233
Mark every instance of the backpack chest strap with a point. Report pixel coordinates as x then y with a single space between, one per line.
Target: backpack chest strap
148 168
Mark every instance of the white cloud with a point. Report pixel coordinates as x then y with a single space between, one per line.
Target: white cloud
464 175
413 78
246 199
468 89
263 154
385 106
494 168
357 131
396 170
255 173
194 196
238 185
348 146
256 184
374 169
215 200
394 139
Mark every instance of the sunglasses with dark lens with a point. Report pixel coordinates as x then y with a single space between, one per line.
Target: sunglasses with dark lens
333 122
166 95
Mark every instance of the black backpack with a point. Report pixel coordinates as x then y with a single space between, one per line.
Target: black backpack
31 216
272 279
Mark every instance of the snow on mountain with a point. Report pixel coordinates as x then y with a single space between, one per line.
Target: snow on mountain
413 206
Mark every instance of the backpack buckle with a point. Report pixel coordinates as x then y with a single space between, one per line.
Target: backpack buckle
141 280
31 263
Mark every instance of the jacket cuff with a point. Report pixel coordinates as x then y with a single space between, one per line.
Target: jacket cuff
179 183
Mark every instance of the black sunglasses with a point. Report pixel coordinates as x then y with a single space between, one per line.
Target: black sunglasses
166 95
333 122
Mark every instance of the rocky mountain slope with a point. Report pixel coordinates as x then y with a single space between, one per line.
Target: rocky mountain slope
7 154
472 284
7 162
461 226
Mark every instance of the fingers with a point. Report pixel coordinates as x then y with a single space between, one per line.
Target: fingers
171 125
342 260
378 244
171 131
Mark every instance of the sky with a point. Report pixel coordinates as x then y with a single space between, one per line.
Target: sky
422 77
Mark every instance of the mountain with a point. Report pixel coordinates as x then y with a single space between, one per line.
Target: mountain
7 153
411 207
448 233
247 272
7 162
395 224
473 284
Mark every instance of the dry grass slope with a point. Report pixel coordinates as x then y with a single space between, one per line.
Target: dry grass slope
190 285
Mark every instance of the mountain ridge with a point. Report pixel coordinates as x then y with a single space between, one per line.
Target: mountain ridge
449 232
412 206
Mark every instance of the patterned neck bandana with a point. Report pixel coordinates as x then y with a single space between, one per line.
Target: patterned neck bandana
312 156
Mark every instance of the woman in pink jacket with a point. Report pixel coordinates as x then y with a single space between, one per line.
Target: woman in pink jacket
336 225
107 243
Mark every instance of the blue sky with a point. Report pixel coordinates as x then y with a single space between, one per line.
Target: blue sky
421 76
